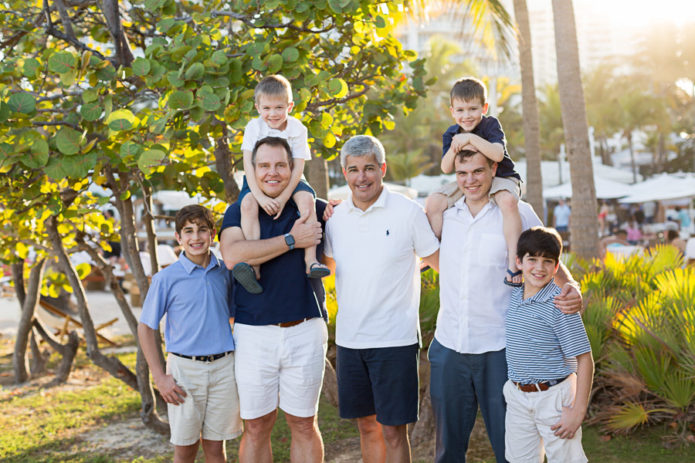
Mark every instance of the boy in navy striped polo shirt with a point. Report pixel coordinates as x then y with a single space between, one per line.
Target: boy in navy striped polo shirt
549 361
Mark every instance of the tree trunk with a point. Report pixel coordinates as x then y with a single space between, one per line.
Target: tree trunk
67 352
531 123
330 384
423 430
225 166
633 164
30 299
148 219
110 364
584 222
112 16
317 176
39 358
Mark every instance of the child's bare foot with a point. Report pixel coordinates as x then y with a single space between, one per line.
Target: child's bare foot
317 270
513 278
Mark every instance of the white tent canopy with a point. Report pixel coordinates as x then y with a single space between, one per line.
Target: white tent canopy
605 189
662 188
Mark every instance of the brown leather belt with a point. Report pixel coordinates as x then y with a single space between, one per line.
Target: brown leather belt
294 323
536 387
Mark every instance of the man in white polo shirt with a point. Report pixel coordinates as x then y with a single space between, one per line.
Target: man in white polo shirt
467 356
374 239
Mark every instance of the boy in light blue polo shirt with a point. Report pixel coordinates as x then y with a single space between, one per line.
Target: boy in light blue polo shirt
546 400
198 385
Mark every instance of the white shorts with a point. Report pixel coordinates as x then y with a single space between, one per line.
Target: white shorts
529 418
280 367
211 406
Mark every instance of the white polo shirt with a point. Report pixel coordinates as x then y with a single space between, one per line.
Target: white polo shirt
377 273
295 133
472 266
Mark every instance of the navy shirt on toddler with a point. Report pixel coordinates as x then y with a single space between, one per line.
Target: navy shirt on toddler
489 129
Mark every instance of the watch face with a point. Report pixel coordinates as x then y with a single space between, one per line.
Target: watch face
289 239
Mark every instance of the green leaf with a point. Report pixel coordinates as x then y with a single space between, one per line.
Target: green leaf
141 66
380 21
181 99
22 102
219 58
174 79
210 101
338 88
290 54
69 140
75 167
153 5
67 78
120 125
107 72
30 67
54 169
89 95
195 71
121 119
149 159
4 111
235 71
130 148
91 111
62 62
274 63
36 160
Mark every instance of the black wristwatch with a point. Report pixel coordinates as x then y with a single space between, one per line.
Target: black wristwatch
289 240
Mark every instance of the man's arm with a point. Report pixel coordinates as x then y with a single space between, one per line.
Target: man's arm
236 249
570 299
170 391
573 415
432 260
494 151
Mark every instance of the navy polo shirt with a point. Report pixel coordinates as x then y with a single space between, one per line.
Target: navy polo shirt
288 294
491 130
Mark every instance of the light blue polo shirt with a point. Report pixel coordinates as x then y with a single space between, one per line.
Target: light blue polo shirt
197 303
542 342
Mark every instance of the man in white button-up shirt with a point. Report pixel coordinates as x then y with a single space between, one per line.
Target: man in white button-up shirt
468 365
374 239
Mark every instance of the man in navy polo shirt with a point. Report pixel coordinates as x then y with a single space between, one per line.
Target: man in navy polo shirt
280 334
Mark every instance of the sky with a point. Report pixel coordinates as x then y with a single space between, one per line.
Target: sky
637 12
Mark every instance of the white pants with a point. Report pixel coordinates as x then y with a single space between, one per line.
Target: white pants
280 366
529 418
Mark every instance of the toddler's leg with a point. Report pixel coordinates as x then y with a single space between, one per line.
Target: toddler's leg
435 205
305 203
249 223
511 226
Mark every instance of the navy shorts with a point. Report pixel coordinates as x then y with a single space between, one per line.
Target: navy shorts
301 186
381 381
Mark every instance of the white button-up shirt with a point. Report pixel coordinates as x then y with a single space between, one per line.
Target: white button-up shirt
472 266
295 133
377 274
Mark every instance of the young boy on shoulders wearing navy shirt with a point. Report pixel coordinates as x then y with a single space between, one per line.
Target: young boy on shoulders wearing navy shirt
549 361
198 384
475 131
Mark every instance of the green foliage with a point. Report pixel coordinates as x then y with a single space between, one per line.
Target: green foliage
641 324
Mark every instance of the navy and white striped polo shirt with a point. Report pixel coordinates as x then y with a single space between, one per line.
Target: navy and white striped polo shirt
542 342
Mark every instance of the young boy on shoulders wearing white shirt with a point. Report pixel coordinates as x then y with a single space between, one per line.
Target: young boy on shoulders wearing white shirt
549 361
273 97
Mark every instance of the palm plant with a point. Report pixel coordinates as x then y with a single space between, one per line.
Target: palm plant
641 325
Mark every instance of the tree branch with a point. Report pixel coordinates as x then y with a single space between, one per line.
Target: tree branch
251 23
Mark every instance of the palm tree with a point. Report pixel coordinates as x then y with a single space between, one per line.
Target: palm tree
584 224
531 122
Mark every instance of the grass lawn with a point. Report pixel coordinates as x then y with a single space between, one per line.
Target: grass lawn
55 425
